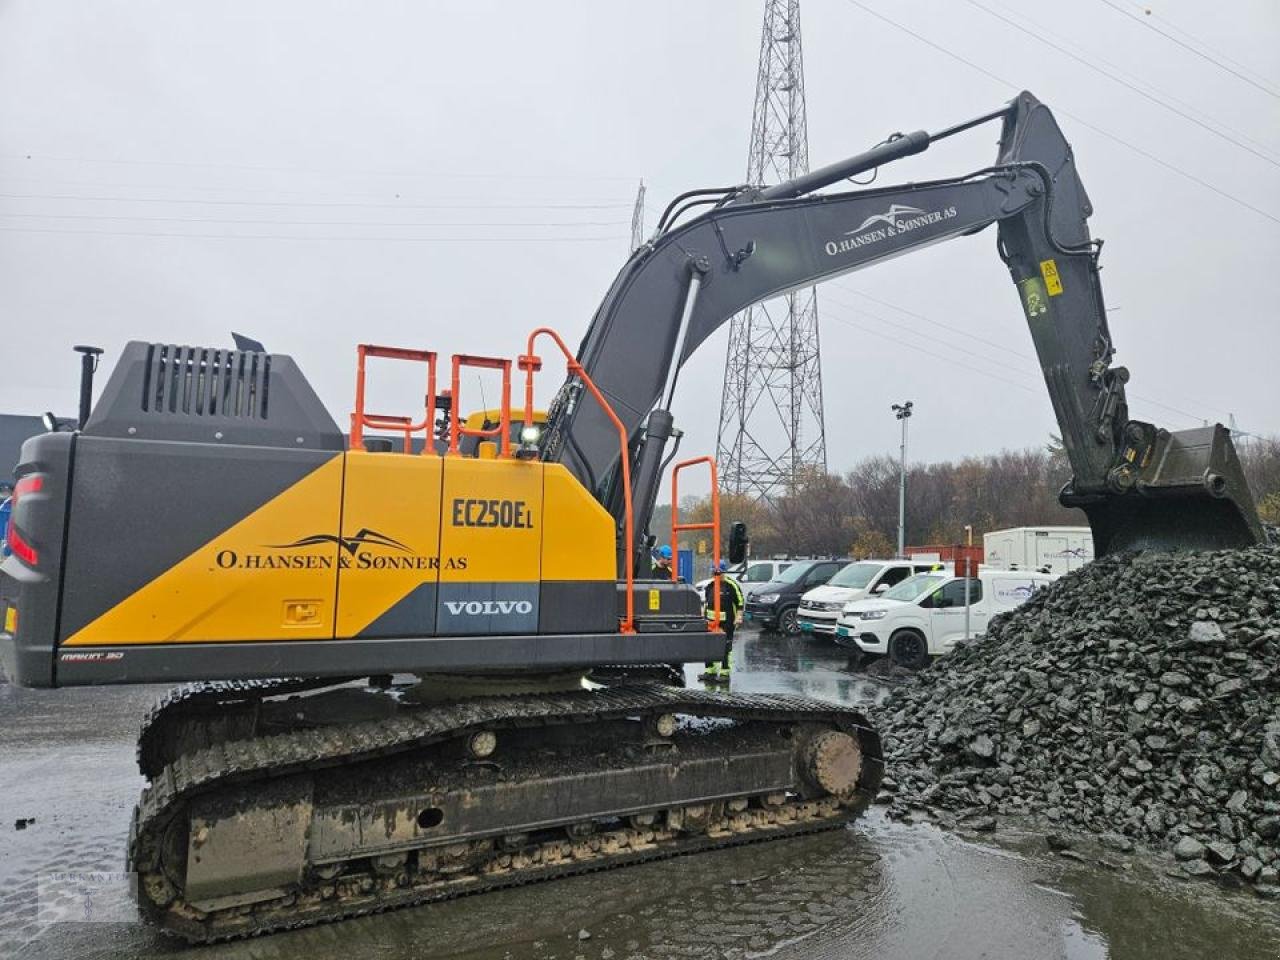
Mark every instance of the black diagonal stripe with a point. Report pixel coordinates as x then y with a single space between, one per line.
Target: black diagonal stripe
140 506
365 535
314 540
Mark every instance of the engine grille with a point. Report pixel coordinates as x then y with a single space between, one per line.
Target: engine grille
201 381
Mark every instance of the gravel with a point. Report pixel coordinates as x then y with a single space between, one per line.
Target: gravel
1136 699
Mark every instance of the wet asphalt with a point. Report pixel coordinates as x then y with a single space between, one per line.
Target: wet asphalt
878 889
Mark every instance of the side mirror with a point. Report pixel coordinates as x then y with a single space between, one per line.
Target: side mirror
738 541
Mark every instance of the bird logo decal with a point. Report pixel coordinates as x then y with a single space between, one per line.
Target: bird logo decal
352 544
888 218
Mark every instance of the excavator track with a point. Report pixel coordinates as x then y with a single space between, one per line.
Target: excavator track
429 802
214 709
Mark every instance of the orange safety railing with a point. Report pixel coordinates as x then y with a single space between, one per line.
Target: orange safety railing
530 363
503 429
714 526
380 421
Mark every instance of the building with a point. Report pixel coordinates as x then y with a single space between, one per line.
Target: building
15 430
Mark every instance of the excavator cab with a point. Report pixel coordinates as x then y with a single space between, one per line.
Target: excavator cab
483 421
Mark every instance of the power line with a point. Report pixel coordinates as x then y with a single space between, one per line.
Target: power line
318 223
299 203
1120 80
1041 28
936 323
1028 357
937 356
1144 21
985 358
268 236
62 182
430 175
1193 417
1076 119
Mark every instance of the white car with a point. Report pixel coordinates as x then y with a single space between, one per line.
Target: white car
924 616
820 607
752 571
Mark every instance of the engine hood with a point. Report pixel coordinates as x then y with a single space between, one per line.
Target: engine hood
861 606
773 586
829 594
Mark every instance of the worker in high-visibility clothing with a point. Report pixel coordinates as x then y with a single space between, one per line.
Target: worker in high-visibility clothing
661 569
731 601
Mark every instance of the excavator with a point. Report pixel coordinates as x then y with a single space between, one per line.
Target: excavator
417 673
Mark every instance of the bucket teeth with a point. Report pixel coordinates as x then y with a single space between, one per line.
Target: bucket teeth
1187 491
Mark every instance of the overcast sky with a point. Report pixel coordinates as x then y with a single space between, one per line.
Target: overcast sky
451 175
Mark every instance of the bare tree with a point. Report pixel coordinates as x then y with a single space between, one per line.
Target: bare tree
857 514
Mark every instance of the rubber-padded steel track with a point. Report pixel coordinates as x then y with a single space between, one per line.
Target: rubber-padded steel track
202 772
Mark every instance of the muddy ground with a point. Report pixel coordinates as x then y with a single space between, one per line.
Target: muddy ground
876 890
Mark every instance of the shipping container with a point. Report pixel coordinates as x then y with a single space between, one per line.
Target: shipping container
1052 549
946 552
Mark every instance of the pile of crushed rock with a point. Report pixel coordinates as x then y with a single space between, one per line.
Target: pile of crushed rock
1137 699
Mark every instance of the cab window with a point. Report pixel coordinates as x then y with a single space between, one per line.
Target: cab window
951 594
821 573
758 573
893 576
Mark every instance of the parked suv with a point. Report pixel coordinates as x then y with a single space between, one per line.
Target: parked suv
820 607
773 605
924 616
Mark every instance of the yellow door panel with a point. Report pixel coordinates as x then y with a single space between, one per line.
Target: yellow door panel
388 565
491 530
271 576
578 539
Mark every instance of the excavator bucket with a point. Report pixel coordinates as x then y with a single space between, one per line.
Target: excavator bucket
1190 493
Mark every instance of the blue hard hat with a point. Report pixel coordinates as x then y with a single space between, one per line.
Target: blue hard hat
664 552
721 567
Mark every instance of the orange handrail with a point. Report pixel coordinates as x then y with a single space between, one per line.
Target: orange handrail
360 419
530 363
503 430
713 526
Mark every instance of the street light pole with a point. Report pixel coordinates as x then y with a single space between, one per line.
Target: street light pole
903 412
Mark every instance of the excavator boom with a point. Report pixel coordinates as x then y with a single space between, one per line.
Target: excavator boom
1141 486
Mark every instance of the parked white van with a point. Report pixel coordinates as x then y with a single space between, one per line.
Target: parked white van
924 616
820 607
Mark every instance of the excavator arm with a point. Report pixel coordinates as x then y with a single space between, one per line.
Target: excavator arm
1141 486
